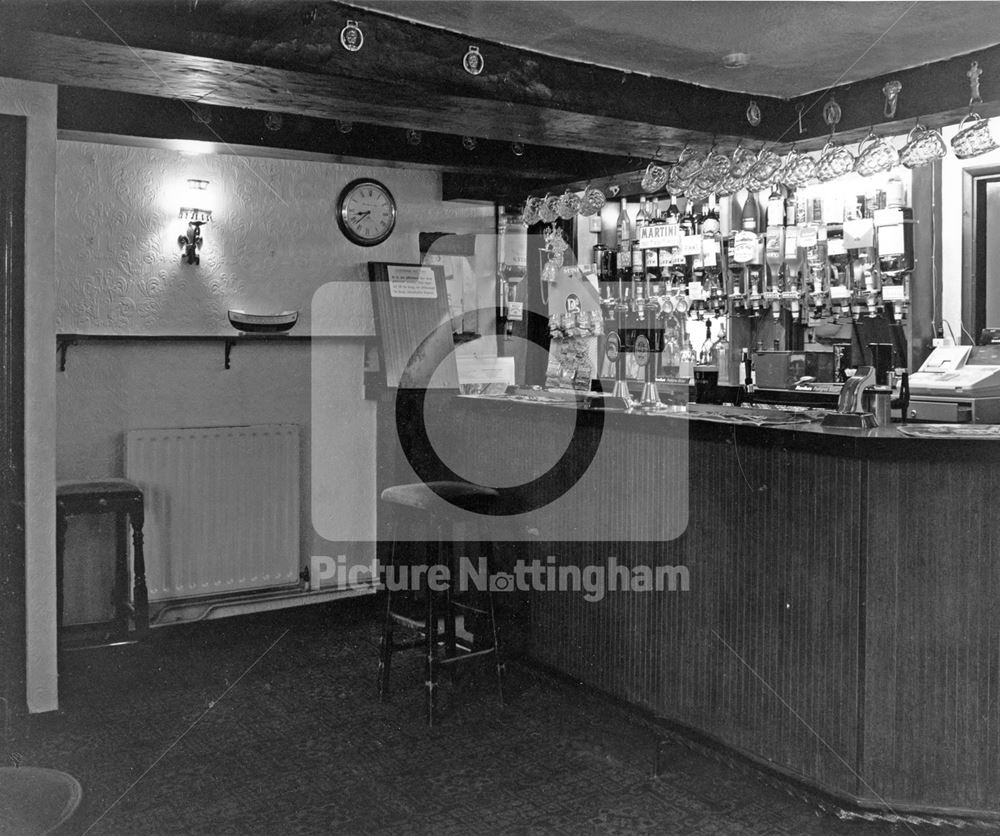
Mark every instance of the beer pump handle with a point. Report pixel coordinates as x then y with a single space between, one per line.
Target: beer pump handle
903 401
851 393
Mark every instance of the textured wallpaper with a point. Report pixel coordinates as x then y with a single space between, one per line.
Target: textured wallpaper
272 241
271 244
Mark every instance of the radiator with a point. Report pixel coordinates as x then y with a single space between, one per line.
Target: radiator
222 507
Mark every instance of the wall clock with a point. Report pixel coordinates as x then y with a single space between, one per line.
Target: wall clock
366 212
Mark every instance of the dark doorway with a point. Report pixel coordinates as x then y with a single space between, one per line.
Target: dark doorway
13 130
981 252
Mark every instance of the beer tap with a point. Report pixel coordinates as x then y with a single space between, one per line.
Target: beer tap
894 243
754 296
775 253
736 294
872 281
749 375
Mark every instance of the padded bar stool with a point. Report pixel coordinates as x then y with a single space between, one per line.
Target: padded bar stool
124 499
423 501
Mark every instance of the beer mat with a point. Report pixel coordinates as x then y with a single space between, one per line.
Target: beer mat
951 430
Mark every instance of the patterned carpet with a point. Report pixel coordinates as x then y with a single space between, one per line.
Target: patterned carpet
269 725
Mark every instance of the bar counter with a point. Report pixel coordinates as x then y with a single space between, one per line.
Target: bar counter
841 625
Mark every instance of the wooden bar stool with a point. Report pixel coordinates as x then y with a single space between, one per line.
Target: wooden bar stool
423 501
124 499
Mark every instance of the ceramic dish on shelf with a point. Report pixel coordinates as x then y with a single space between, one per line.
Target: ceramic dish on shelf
250 323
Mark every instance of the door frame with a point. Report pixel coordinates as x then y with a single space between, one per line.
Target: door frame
13 637
974 182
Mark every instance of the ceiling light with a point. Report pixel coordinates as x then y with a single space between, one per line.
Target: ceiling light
736 61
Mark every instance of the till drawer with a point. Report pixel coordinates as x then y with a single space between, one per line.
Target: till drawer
940 412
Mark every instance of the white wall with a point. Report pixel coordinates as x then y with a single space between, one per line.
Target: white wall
38 103
272 244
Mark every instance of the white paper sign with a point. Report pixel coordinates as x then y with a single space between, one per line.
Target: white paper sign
891 240
808 236
659 235
485 370
408 282
744 247
691 245
858 233
893 292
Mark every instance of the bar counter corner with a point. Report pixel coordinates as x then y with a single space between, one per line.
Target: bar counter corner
840 626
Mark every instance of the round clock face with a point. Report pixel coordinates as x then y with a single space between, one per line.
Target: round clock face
366 212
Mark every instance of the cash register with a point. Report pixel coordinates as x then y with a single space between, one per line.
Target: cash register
958 384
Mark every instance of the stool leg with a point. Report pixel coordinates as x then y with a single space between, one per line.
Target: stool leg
497 655
430 629
385 646
61 525
446 555
119 597
139 592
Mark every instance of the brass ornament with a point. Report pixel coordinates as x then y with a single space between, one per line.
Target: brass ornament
473 61
891 92
351 37
831 114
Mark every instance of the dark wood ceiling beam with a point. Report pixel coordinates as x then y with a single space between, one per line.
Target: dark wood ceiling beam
304 37
84 110
247 57
937 93
70 61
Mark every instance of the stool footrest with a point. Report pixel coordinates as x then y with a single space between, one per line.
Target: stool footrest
466 656
469 608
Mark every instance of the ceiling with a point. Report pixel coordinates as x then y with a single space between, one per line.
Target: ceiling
570 91
794 48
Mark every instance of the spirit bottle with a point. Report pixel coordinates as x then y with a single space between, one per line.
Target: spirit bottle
623 233
748 217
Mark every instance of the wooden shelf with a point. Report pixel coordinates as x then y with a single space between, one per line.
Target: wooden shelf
64 341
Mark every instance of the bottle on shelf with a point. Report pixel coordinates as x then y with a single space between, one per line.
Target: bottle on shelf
685 366
775 211
687 219
673 214
623 232
721 352
748 217
711 225
636 259
642 218
651 262
791 209
697 218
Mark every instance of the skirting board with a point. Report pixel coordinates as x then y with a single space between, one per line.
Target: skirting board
205 609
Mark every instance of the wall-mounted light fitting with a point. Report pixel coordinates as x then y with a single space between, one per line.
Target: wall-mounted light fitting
190 244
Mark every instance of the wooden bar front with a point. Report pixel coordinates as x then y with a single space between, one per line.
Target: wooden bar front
841 624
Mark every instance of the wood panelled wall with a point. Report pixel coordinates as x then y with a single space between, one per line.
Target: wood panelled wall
840 623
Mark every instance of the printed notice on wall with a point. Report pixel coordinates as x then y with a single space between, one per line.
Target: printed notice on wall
411 282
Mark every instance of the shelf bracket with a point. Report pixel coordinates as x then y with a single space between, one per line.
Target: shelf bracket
230 342
61 346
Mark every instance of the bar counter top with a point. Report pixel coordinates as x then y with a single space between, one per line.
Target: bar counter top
797 419
841 625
